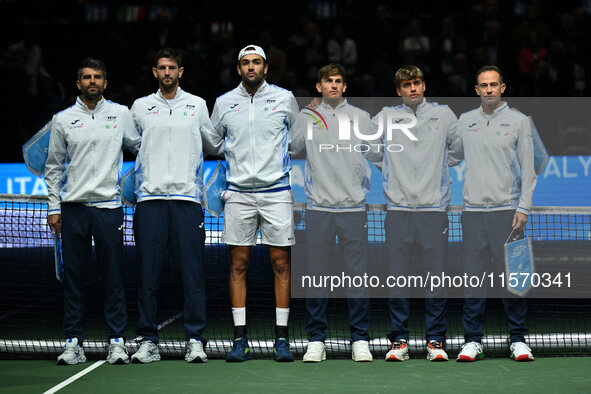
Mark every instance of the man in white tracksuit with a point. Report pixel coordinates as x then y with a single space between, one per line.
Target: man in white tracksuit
337 181
254 120
498 188
176 130
82 172
417 189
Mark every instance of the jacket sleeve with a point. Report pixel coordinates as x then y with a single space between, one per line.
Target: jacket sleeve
54 166
216 122
376 153
455 149
131 137
525 155
213 142
294 111
298 134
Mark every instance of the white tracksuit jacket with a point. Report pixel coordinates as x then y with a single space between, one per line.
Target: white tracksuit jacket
499 154
85 154
169 165
256 132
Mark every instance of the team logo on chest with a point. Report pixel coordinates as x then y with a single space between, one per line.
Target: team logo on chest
152 110
187 112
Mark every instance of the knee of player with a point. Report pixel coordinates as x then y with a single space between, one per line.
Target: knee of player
239 266
281 266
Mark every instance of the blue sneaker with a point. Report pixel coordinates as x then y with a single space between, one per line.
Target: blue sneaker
281 350
240 351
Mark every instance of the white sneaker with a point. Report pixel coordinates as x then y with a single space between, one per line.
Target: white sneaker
435 351
521 352
316 352
147 353
117 352
360 350
73 353
195 353
471 351
399 351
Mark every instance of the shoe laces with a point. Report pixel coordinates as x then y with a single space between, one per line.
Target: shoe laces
144 346
399 344
521 346
194 345
472 346
240 344
433 344
282 343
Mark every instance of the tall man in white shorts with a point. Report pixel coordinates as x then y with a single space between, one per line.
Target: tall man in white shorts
254 119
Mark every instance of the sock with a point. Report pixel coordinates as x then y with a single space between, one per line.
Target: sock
239 331
282 315
281 332
239 315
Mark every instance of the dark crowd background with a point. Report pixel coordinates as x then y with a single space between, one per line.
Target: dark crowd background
542 46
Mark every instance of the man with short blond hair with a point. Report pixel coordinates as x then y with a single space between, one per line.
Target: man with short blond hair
417 189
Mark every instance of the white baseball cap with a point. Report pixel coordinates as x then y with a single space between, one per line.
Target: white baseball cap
252 50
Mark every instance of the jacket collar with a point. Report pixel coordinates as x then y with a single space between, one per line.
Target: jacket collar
179 93
260 90
85 108
496 111
341 105
420 107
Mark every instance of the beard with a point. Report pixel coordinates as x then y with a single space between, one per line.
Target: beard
92 96
168 87
253 83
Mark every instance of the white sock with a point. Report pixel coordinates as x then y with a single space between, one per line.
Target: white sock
282 315
239 315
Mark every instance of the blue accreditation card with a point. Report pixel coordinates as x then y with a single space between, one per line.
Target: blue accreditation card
36 149
215 186
57 254
519 266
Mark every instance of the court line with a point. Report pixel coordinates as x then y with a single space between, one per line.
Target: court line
101 362
75 377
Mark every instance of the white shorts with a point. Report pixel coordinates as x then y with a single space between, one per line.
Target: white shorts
245 212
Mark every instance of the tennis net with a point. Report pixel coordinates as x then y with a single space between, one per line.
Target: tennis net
31 308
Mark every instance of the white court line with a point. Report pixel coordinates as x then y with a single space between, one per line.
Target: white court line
75 377
101 362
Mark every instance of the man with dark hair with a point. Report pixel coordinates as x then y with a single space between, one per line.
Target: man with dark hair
499 183
336 185
82 172
417 189
175 130
255 118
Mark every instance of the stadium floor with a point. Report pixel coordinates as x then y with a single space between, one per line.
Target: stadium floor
546 374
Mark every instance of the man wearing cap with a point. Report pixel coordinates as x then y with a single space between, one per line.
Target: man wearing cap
254 119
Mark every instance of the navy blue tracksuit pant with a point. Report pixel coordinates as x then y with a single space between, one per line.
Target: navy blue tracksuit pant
79 225
417 237
322 228
484 234
177 227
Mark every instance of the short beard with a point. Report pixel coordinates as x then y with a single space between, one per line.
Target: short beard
92 96
169 88
254 83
